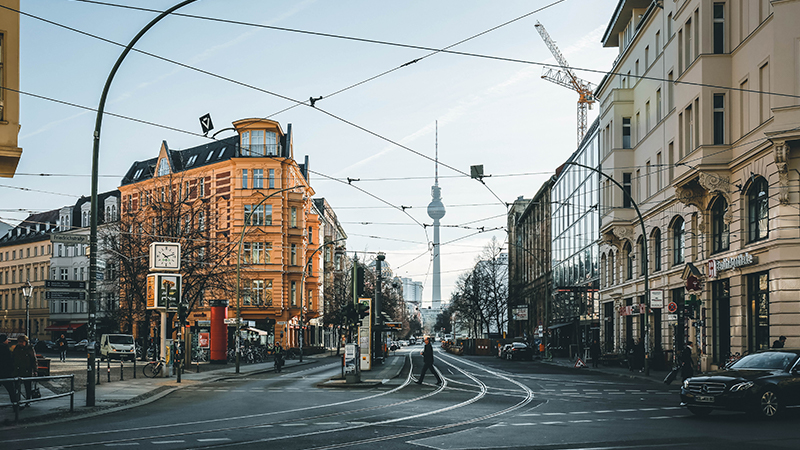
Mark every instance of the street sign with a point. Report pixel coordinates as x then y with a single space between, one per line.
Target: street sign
672 307
206 124
65 295
672 317
69 239
64 284
656 298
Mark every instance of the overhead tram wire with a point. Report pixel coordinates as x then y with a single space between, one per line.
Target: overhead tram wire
452 52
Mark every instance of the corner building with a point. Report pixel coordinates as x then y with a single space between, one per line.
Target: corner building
699 120
223 182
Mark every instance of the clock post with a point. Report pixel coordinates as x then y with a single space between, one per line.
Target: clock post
164 289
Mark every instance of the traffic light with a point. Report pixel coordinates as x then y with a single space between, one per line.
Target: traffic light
363 310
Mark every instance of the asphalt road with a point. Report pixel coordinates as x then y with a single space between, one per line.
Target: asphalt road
485 403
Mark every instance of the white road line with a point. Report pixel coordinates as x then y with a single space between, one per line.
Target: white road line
626 410
168 442
551 423
660 417
213 439
554 414
122 444
293 424
580 421
329 423
523 424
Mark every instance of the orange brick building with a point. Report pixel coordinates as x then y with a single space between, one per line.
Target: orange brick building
211 190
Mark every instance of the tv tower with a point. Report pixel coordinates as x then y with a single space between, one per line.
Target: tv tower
436 211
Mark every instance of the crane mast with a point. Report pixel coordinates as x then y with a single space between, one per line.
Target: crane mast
566 77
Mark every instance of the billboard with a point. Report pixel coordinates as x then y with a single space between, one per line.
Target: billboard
163 291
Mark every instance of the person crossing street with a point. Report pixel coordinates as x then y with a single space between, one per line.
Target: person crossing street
427 359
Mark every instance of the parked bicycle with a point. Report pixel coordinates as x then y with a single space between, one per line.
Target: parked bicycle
199 355
153 368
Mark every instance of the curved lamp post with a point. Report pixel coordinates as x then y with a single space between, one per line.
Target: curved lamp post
645 263
303 288
27 290
90 391
238 272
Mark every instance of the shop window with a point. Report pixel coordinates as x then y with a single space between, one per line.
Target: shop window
758 210
758 311
721 329
720 229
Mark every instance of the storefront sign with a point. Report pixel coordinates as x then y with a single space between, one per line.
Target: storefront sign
520 313
657 299
718 265
633 310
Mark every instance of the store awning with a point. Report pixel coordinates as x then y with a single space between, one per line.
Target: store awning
64 327
256 330
553 327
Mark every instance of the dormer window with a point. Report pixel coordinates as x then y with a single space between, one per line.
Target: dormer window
191 160
163 167
138 174
210 154
221 152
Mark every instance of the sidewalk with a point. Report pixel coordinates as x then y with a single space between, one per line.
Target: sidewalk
656 376
380 374
119 395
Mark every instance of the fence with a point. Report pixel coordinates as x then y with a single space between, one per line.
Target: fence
18 391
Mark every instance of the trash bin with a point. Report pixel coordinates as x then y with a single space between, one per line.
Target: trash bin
43 366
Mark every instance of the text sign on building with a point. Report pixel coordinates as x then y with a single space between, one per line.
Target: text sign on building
65 295
520 313
64 284
163 291
656 298
203 339
717 265
69 239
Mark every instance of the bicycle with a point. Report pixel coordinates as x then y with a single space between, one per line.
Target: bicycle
153 368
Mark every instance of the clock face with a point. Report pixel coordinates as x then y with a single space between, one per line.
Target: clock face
166 256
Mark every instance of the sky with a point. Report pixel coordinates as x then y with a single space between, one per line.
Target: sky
490 112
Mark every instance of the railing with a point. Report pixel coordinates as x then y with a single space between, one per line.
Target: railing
260 150
18 391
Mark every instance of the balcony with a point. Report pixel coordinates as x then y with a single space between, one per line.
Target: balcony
259 150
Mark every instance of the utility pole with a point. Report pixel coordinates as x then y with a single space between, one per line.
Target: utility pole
378 318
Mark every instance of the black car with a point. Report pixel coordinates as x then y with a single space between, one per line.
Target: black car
763 383
517 350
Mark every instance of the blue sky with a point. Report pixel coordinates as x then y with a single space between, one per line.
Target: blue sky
496 113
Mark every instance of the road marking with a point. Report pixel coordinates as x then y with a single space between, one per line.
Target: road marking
169 442
329 423
580 421
554 414
626 410
213 439
122 444
523 424
551 423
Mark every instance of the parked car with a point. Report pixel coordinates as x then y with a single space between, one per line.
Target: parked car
81 345
763 383
517 350
117 346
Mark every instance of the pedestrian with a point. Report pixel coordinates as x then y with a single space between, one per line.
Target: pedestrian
62 347
427 360
687 363
780 342
594 352
7 367
25 364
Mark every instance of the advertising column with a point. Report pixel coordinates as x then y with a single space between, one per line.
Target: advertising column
219 332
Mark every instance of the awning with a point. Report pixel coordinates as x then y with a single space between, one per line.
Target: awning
256 330
64 327
553 327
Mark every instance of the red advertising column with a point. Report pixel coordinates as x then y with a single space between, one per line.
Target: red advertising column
219 332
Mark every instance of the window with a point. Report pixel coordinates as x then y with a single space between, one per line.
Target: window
647 117
257 143
658 105
669 26
659 173
648 186
254 216
626 187
658 42
758 311
293 293
201 221
720 230
191 161
293 217
626 132
271 143
246 143
719 119
258 178
310 235
744 107
688 131
267 214
646 57
689 44
65 274
293 257
656 250
628 252
758 210
670 91
719 28
163 167
252 252
678 241
202 188
257 292
244 178
642 256
271 179
763 93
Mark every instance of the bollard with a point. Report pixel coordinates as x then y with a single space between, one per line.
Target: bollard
134 367
122 369
109 369
98 371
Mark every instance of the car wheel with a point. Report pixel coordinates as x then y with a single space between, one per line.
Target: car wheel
768 404
699 411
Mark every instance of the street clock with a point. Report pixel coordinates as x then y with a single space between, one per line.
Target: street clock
165 256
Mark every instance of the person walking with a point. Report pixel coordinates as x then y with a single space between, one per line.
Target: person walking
594 352
25 364
780 342
62 347
687 363
427 359
7 368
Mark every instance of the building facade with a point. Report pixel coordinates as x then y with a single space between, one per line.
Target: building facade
9 89
249 190
335 267
698 122
574 314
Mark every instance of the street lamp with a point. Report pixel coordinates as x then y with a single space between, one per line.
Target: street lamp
27 290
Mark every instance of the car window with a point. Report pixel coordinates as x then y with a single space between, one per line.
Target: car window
120 339
769 361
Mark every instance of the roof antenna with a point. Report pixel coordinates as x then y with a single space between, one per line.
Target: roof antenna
436 181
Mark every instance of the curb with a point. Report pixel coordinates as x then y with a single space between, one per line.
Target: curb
338 383
621 375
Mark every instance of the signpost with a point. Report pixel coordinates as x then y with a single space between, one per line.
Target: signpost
69 239
656 298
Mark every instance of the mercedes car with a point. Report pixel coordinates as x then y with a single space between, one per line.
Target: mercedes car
762 383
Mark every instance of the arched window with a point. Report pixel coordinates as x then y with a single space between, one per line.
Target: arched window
642 257
678 241
656 246
758 210
628 252
720 230
604 271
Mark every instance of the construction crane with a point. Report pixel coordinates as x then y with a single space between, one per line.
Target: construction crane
567 78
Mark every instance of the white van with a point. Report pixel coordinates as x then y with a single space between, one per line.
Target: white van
117 346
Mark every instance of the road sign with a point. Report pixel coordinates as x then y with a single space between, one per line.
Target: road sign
64 284
69 239
672 307
656 298
206 124
65 295
672 317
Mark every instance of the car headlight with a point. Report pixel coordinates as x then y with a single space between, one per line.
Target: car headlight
686 383
742 386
